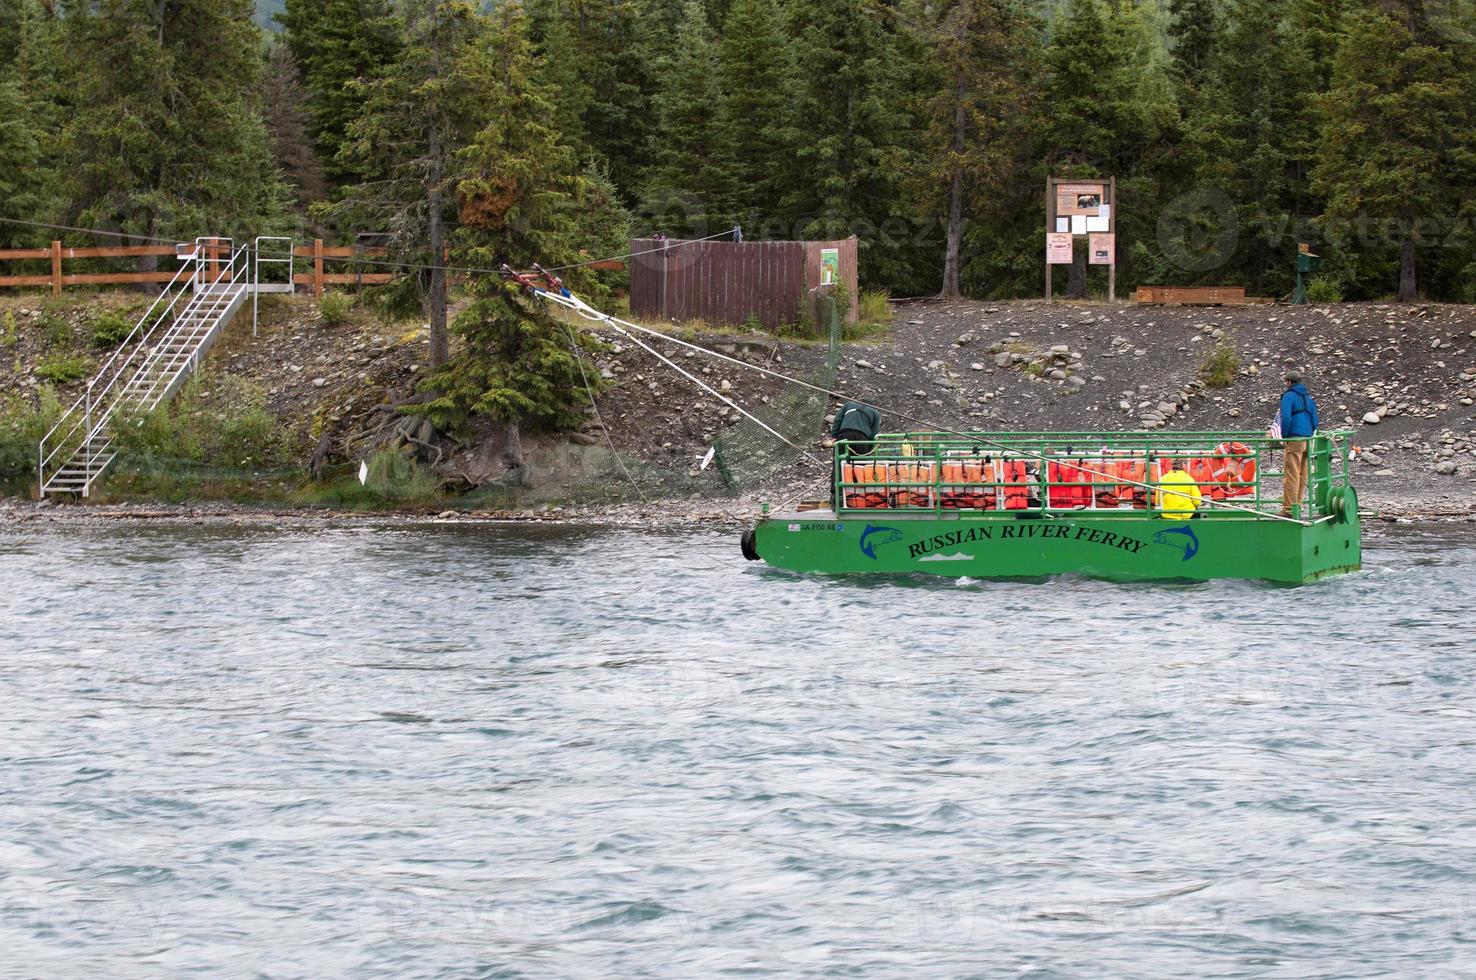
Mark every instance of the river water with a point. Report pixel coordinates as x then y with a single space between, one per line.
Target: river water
491 750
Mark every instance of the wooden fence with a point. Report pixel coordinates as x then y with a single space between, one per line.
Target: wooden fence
728 282
57 255
1198 296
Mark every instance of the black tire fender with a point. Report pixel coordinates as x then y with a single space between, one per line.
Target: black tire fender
749 545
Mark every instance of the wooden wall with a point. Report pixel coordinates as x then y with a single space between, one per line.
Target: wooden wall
727 282
849 268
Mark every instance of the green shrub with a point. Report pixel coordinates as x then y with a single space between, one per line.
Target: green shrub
396 301
802 327
334 308
64 368
842 301
110 328
8 334
1324 290
57 330
220 420
22 425
1221 366
873 317
393 479
874 307
150 315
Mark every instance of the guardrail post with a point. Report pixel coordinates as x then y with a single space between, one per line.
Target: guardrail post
56 270
317 267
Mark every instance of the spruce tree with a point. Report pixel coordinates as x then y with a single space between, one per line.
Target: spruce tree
845 131
22 162
1109 108
29 108
979 114
166 138
415 118
689 185
1318 26
1397 134
522 201
1247 139
754 76
285 115
599 57
1193 28
338 44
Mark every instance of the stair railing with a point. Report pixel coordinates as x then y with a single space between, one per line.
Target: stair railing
79 416
231 274
95 408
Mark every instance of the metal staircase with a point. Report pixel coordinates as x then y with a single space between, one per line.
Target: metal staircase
163 349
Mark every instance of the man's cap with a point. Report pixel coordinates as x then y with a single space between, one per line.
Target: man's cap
1293 376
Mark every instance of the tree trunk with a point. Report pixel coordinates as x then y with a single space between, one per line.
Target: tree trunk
440 343
954 235
955 196
1407 290
1076 281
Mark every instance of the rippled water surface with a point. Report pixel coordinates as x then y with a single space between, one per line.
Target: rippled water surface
495 750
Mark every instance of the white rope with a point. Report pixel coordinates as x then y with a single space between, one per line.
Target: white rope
589 391
590 313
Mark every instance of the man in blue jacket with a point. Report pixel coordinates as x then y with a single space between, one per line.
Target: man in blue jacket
1298 423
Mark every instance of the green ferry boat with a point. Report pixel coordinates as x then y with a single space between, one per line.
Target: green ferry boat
1027 505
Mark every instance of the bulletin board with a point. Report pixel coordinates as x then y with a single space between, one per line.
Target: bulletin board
1082 208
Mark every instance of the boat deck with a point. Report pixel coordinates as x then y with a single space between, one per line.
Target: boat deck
989 506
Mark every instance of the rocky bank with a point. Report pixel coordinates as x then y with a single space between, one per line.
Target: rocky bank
1403 377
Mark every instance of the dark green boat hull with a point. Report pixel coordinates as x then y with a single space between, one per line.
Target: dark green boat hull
1121 546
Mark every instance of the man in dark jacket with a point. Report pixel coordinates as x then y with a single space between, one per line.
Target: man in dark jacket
1298 423
857 424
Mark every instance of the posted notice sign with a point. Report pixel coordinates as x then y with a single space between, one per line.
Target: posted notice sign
1099 249
829 266
1058 249
1085 199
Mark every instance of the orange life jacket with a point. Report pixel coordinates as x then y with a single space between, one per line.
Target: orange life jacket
1202 471
1017 487
1132 472
1104 480
1070 471
954 494
923 475
1224 470
986 497
874 478
849 478
1057 473
1247 470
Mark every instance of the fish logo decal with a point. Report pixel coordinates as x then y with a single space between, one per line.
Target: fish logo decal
1182 538
874 535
